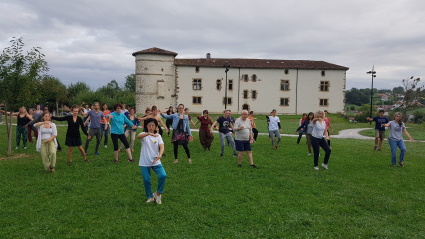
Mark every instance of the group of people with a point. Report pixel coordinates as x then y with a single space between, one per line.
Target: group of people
122 124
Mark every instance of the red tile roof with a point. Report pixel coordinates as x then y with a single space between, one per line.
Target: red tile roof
259 63
155 50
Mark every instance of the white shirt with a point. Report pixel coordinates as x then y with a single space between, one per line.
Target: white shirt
318 129
244 133
273 123
150 149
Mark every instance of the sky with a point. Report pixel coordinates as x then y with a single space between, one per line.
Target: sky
92 40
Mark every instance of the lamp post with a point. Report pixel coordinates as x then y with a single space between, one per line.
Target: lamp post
373 73
225 90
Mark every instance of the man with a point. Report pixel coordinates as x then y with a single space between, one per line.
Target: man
379 131
244 138
94 116
224 131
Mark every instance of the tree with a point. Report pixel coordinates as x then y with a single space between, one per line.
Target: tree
53 92
20 76
412 92
75 89
357 97
130 83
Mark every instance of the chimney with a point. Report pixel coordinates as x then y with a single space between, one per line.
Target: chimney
208 56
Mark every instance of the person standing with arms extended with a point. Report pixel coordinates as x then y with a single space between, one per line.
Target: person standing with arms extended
94 117
23 118
205 135
301 131
181 132
244 138
130 131
73 138
317 140
46 142
150 158
397 128
379 131
224 132
274 129
118 120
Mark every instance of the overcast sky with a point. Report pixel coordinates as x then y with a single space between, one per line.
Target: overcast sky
92 40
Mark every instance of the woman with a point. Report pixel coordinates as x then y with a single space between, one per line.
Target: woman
23 118
181 132
205 135
104 124
301 131
169 122
129 131
30 127
186 112
307 127
274 129
150 158
73 137
328 125
154 113
46 142
397 128
118 120
253 125
317 140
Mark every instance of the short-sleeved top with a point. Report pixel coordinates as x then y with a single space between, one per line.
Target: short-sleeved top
273 123
104 120
95 119
204 123
328 122
245 132
318 129
379 121
396 131
150 149
224 125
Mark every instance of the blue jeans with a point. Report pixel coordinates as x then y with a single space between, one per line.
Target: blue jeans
229 137
146 174
393 145
274 134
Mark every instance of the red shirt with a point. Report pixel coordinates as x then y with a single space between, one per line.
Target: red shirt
204 123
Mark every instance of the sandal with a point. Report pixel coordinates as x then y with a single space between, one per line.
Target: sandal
176 161
190 161
115 161
401 164
86 160
69 162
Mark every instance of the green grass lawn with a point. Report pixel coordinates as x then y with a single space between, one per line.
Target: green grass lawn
360 196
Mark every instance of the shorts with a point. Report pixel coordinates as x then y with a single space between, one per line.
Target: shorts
380 134
243 145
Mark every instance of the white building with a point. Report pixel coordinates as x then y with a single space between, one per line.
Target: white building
289 86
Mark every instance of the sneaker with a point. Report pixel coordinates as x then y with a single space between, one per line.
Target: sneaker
25 147
253 166
316 168
106 146
152 199
115 160
375 148
96 153
325 166
239 165
17 148
222 155
157 198
309 154
189 161
235 155
131 161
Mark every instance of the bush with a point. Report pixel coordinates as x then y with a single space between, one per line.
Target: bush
419 117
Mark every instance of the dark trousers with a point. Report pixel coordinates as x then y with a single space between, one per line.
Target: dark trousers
176 149
317 143
123 139
255 132
300 135
94 132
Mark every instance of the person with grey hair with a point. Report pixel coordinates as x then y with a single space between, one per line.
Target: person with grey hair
318 141
244 138
395 139
224 131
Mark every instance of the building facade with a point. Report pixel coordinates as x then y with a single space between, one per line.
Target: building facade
290 87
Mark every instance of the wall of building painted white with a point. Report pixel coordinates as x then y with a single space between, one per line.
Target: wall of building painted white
303 95
155 81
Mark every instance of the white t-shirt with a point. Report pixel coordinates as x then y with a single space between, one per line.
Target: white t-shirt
318 129
273 123
150 149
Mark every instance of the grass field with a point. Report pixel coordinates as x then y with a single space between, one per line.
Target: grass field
360 196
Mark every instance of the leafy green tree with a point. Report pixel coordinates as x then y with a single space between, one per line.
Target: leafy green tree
53 92
74 89
130 83
20 76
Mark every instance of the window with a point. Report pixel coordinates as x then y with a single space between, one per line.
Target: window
245 94
229 100
197 83
197 100
284 101
324 102
254 78
284 85
254 94
230 84
324 86
218 84
197 69
286 71
323 73
245 78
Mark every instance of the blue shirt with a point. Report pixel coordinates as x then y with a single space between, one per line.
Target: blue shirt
379 121
176 117
117 122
